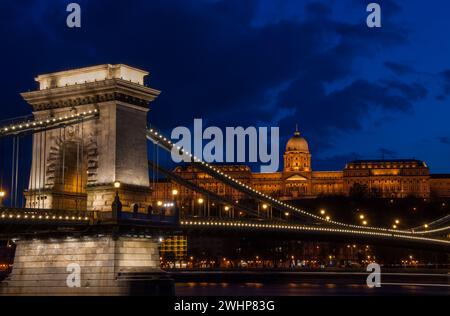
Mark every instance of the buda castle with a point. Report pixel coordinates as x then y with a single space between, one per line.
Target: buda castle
377 178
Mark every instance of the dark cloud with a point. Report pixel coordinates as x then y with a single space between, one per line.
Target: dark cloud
399 69
413 92
336 162
444 140
388 153
322 114
445 75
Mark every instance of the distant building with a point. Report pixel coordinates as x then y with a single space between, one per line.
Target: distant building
398 178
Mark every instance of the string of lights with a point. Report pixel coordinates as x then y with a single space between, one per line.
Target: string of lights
291 227
47 123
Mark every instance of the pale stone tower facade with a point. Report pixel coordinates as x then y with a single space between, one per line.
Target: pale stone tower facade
75 167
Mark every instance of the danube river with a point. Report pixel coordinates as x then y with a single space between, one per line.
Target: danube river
217 283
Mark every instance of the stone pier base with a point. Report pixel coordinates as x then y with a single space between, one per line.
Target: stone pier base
108 266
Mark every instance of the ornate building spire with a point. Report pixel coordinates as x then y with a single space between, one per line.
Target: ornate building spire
297 132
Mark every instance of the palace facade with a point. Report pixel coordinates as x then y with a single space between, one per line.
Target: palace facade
377 178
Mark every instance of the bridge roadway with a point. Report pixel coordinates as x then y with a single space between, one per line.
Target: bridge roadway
33 222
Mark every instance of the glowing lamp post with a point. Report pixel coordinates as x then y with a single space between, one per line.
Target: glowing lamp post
116 205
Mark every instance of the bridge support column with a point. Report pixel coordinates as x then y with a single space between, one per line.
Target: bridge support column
107 266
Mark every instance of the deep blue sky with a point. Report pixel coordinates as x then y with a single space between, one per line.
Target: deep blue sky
354 91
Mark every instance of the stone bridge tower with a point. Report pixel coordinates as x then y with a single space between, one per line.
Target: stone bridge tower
75 167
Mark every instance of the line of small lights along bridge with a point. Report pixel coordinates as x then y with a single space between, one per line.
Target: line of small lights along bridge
48 123
303 228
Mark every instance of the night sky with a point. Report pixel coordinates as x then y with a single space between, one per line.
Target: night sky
355 92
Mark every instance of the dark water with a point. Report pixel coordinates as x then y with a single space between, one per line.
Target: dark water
302 289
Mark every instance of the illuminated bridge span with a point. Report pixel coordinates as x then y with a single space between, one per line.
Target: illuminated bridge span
16 222
321 232
34 126
157 137
440 225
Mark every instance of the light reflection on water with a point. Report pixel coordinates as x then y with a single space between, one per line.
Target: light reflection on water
298 289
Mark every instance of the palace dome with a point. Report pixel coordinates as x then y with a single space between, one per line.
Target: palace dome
297 143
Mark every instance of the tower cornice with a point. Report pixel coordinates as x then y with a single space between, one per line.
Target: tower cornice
91 92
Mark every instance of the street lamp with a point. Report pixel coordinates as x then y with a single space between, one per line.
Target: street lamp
322 212
328 218
361 216
200 201
227 208
174 192
426 226
159 203
116 205
364 223
264 206
397 221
